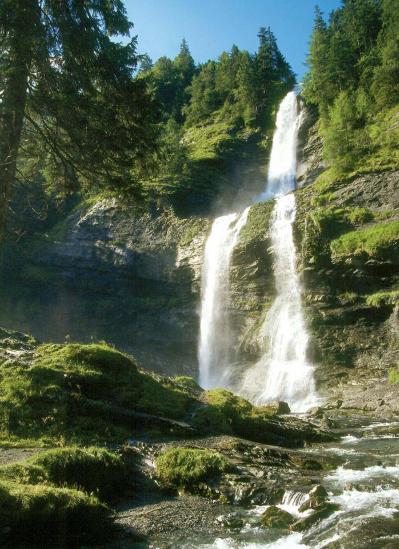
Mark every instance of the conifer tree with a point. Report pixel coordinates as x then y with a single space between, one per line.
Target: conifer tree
63 74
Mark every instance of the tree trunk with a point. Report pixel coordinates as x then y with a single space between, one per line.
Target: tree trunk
18 61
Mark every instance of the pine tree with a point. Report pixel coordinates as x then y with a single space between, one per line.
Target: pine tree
385 86
64 75
274 75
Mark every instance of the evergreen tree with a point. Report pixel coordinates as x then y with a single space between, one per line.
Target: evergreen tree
146 63
274 75
64 75
385 86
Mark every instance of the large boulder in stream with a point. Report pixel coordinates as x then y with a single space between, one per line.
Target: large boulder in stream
274 517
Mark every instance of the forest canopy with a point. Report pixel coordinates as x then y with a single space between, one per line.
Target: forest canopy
354 82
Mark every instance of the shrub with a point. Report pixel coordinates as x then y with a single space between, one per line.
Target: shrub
188 466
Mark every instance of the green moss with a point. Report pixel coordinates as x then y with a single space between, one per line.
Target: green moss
44 514
327 181
348 298
379 241
192 228
332 221
80 393
188 382
228 413
186 467
92 470
358 216
322 199
258 223
380 299
393 376
274 517
223 413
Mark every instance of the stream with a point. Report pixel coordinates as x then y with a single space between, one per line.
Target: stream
365 485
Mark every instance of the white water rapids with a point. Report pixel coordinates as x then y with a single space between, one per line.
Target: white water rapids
283 372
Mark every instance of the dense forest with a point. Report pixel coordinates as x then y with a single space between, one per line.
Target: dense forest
353 80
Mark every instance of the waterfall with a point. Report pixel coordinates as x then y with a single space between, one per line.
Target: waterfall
214 347
283 372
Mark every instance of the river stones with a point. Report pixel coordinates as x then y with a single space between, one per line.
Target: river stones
274 517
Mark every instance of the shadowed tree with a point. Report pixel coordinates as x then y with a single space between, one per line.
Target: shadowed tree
64 76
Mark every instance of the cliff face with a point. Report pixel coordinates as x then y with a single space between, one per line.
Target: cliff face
106 273
349 260
134 281
347 235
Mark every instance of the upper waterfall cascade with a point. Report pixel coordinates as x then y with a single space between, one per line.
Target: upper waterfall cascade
283 372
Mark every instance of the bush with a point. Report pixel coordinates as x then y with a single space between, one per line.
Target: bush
188 466
43 513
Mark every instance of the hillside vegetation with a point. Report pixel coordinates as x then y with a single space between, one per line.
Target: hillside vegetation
354 83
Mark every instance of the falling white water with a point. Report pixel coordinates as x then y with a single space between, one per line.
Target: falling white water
283 372
214 347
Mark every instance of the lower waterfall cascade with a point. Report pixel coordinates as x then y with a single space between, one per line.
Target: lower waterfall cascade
283 372
214 348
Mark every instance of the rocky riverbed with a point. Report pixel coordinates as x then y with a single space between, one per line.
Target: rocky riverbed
340 494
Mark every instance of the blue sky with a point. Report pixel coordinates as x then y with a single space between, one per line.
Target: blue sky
212 26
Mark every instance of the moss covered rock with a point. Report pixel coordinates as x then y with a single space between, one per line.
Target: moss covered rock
92 469
379 241
274 517
186 467
82 392
39 513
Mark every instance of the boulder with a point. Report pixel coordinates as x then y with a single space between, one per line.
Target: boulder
317 497
274 517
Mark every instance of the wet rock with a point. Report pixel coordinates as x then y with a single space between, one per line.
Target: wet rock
307 464
321 513
317 497
232 521
276 408
274 517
